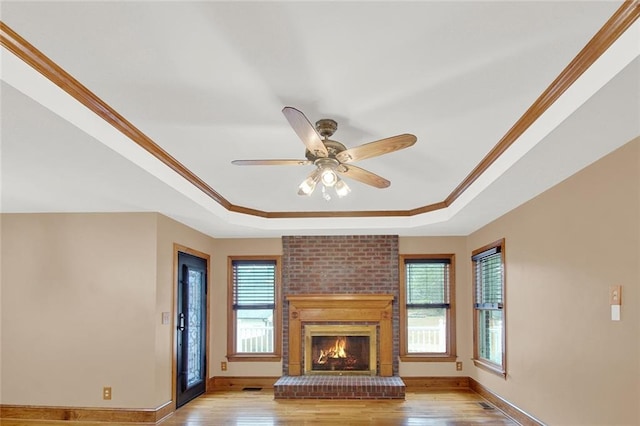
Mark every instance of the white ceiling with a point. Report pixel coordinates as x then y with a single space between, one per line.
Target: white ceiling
207 81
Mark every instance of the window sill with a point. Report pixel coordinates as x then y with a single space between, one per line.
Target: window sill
496 369
428 358
254 358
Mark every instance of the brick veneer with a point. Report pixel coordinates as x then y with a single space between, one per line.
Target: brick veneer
366 264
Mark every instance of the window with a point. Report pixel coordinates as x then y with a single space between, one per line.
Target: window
489 308
427 308
254 312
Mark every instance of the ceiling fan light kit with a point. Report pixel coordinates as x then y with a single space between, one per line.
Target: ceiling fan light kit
326 175
309 184
342 189
327 167
332 158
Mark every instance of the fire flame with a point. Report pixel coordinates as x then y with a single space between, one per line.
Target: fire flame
335 351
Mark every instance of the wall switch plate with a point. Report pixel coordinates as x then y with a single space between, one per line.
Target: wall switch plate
166 318
106 392
615 312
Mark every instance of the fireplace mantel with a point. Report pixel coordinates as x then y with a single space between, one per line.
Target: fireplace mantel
375 308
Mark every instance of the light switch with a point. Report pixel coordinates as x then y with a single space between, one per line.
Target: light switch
166 317
615 312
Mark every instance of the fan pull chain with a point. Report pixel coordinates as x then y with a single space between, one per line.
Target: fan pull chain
325 194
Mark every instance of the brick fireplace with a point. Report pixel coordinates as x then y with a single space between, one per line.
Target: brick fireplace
340 265
340 281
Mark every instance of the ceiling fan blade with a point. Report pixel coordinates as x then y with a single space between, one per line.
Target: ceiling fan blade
363 176
271 162
374 149
305 131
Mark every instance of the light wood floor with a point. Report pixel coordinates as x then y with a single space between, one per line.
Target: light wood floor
258 408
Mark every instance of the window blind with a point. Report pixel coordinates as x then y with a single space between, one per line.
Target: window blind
254 284
427 282
488 275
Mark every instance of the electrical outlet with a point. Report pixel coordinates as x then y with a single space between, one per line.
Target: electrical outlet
459 366
106 392
223 366
615 295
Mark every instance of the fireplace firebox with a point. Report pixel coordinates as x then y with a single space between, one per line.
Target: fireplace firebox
340 349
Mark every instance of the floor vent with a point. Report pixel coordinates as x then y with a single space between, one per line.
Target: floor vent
485 406
252 389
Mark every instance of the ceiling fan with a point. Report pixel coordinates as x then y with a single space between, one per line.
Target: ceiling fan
332 158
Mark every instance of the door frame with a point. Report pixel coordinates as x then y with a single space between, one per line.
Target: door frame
174 320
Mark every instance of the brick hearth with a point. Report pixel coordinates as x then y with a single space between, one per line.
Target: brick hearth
339 387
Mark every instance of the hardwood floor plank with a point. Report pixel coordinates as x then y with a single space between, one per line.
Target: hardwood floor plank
259 408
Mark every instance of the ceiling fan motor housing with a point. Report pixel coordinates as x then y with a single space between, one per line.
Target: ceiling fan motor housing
326 127
333 148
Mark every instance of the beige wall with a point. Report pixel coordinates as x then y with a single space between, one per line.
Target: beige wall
568 363
82 302
218 315
78 303
464 349
83 296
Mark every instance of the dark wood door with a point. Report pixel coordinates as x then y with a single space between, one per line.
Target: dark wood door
191 333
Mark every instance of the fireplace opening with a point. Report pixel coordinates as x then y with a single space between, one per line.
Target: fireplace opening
340 353
340 349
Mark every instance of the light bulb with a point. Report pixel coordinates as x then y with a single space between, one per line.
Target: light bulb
307 187
329 177
309 184
342 189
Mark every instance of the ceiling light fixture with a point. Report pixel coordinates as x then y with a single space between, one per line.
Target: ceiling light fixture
326 174
328 177
332 158
342 189
309 184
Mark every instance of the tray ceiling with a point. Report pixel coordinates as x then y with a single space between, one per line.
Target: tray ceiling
206 83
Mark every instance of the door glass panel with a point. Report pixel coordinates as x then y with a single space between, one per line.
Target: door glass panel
194 318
